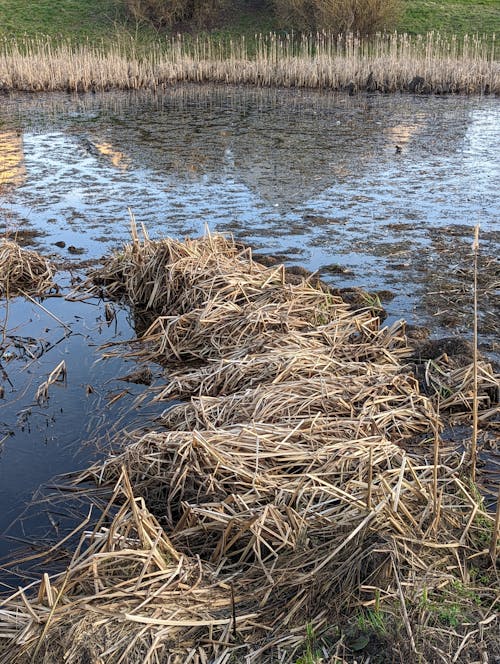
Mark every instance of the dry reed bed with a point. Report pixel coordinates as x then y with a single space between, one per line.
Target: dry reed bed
283 492
22 271
373 403
395 62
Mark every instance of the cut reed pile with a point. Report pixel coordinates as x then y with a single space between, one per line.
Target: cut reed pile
385 62
23 271
291 493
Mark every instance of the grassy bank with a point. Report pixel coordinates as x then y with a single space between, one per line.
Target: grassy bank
107 19
457 17
296 503
81 19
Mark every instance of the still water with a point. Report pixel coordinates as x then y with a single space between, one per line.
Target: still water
376 191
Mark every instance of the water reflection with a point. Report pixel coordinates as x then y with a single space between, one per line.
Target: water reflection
40 439
117 158
363 182
12 168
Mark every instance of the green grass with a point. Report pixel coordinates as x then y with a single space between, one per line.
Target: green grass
452 16
107 20
76 19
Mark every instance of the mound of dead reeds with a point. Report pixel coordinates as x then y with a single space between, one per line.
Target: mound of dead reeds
300 484
23 271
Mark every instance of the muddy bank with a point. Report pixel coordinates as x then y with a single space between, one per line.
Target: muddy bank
297 482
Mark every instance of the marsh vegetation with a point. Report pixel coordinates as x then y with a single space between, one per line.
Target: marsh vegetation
386 62
288 506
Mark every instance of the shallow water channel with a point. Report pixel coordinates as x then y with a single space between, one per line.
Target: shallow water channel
376 191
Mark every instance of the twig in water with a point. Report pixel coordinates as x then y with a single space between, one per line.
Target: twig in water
44 309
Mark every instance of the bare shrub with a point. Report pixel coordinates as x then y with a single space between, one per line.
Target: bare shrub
363 16
162 13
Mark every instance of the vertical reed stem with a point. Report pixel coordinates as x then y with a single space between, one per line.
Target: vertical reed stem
435 470
370 479
496 530
473 451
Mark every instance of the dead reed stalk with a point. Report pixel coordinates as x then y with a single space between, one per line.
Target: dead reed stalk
473 451
57 375
290 488
496 530
385 62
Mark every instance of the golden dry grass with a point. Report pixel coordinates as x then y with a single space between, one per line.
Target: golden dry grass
23 271
294 486
395 62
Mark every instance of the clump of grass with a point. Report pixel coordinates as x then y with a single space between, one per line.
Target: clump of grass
23 271
385 62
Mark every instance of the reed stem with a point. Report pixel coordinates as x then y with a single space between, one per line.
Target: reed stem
496 530
473 450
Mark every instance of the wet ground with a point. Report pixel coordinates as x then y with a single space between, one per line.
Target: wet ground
376 191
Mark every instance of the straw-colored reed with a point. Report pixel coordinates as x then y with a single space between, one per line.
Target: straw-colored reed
294 487
385 62
23 271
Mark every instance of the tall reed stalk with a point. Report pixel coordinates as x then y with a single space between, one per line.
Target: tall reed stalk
385 62
473 450
496 530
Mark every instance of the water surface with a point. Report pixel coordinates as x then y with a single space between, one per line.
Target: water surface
387 189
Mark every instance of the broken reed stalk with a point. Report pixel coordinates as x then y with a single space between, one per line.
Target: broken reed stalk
369 480
58 374
45 310
435 469
475 407
496 531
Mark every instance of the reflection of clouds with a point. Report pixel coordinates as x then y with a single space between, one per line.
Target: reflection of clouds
12 167
117 158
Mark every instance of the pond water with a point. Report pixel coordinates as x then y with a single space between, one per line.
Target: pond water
376 191
44 437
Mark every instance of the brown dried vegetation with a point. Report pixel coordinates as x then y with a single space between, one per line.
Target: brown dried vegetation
294 487
23 271
384 62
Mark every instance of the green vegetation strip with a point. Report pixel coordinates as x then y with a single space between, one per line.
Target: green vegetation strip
452 17
108 20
